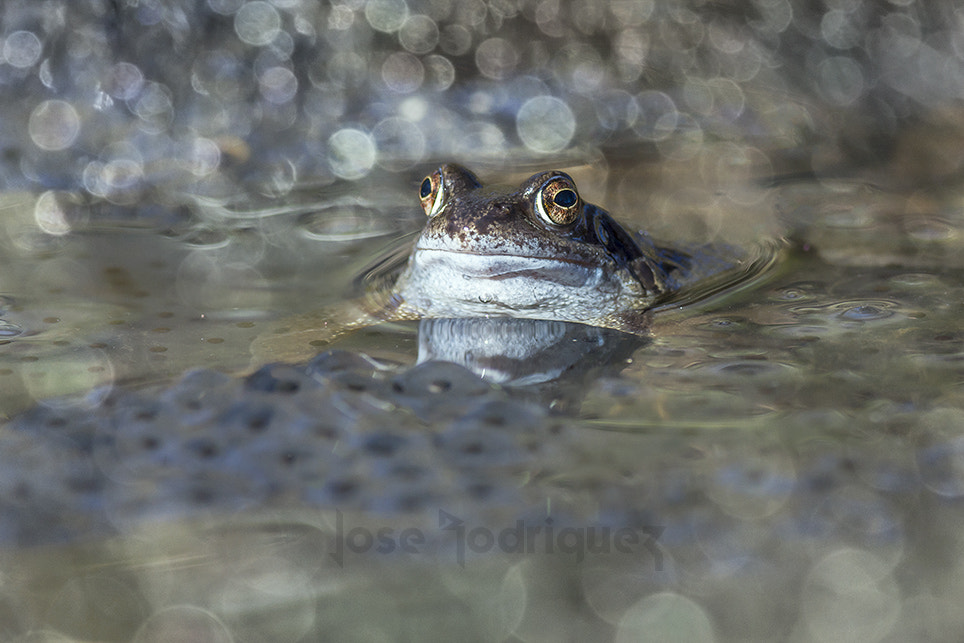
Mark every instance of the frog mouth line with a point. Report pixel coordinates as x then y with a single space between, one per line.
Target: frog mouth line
465 254
500 267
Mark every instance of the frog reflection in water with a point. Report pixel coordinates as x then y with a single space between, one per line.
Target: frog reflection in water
539 252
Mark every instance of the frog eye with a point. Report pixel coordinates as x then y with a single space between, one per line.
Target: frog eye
432 193
557 202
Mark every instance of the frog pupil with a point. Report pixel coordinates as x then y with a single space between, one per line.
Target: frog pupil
426 190
565 198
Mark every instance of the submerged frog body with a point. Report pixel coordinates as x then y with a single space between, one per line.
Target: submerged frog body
537 252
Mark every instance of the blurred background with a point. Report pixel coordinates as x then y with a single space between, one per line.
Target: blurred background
129 100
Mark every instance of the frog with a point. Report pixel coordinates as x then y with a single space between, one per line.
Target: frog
537 250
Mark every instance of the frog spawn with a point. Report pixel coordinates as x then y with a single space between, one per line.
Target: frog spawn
347 432
343 432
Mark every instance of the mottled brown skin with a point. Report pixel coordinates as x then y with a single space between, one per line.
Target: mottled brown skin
491 220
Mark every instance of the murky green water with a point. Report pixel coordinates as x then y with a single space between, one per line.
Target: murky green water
779 460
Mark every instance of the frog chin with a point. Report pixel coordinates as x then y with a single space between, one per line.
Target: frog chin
470 266
440 283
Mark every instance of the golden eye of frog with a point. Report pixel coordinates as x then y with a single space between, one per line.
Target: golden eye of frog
539 252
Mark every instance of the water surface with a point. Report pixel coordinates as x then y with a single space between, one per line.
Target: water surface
790 433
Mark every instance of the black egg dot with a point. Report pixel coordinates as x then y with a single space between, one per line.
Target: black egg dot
271 379
473 448
326 432
479 490
565 198
495 419
426 188
259 421
384 444
342 489
203 448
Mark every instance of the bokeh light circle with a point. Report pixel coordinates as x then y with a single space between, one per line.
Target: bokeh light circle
663 617
545 124
278 85
496 58
402 72
257 23
419 34
658 115
54 125
22 49
351 153
386 15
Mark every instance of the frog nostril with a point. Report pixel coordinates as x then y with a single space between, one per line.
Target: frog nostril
496 209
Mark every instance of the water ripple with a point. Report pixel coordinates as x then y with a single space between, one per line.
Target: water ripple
9 330
855 310
865 312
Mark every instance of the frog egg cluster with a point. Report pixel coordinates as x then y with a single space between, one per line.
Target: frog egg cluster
342 432
348 433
